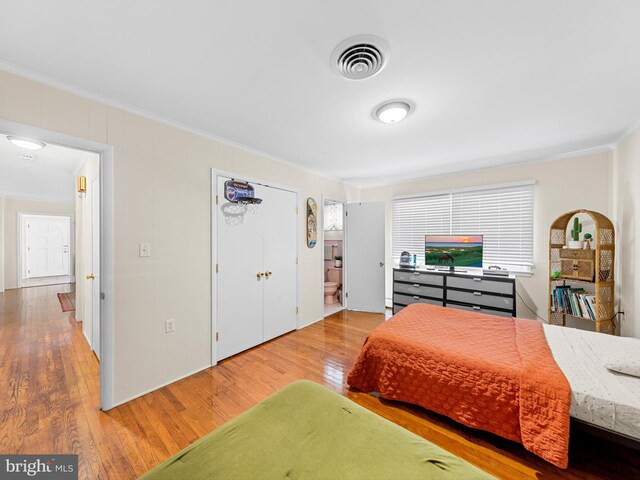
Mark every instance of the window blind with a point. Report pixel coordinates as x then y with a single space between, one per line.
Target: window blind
502 214
412 218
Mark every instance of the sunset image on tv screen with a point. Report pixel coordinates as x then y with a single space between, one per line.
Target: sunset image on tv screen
453 250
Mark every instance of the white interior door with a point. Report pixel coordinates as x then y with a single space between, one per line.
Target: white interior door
239 295
95 265
85 282
365 256
280 250
47 246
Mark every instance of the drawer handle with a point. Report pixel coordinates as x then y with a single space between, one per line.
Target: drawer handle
477 279
416 297
476 307
477 294
417 285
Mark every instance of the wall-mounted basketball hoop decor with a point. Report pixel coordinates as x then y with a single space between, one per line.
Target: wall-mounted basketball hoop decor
241 196
312 222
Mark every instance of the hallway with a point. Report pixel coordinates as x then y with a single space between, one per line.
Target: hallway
48 373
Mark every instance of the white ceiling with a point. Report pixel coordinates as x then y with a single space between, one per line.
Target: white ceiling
46 174
494 82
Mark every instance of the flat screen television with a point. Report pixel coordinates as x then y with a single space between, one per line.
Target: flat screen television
453 251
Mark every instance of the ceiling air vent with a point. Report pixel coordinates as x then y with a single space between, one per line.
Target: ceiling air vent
360 57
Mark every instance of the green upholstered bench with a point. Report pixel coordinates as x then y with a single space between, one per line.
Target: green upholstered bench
305 431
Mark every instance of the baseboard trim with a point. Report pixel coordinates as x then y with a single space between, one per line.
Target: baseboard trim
142 394
310 323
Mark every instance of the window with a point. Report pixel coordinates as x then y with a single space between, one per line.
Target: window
333 216
503 214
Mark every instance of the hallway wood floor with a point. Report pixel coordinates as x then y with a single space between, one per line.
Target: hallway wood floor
49 397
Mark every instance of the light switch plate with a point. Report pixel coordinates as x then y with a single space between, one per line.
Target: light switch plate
170 325
144 249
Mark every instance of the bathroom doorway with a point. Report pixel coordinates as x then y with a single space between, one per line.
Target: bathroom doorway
333 261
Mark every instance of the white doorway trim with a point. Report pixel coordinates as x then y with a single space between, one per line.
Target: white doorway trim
345 277
107 380
22 216
215 173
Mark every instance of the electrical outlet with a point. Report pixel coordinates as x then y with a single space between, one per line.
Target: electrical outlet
144 249
169 326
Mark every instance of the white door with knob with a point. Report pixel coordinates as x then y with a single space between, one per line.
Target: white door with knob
280 252
365 256
47 245
255 272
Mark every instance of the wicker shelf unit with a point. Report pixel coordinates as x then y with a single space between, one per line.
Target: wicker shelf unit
602 262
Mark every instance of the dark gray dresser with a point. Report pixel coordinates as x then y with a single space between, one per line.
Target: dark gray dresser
476 293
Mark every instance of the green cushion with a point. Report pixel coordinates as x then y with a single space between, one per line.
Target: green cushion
305 431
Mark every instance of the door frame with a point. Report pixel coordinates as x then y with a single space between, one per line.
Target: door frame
215 173
345 276
20 265
107 242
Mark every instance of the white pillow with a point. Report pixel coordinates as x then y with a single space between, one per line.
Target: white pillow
624 362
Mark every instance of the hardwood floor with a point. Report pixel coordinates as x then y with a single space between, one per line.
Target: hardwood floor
49 396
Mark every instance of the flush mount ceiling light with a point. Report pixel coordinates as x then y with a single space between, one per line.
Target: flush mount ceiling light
392 112
26 143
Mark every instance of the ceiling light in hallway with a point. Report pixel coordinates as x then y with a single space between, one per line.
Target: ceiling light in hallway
26 143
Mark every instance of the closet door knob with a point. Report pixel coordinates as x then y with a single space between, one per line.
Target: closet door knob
267 274
259 275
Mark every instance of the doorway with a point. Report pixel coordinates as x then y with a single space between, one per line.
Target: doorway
47 177
334 294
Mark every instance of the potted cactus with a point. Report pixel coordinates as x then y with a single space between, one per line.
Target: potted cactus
575 234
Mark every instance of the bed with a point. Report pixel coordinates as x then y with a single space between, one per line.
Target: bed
305 431
599 397
516 378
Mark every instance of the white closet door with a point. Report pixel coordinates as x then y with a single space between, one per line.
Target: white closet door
280 250
240 291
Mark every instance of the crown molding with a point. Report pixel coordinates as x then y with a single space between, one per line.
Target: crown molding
81 92
605 148
627 132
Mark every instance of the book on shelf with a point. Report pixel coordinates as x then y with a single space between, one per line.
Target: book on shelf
573 301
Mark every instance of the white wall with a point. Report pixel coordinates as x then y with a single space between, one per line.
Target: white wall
11 208
626 184
161 196
561 186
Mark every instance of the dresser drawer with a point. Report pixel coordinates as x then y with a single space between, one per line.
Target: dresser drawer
480 285
479 309
417 289
418 277
480 299
397 308
408 300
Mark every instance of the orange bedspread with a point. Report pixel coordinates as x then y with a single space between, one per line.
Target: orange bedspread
492 373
